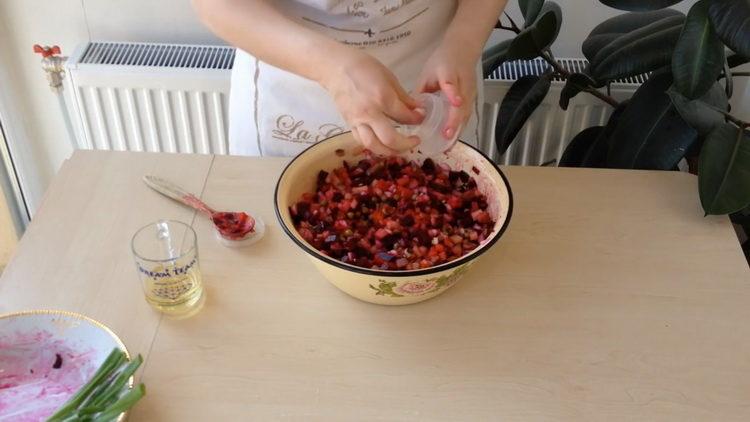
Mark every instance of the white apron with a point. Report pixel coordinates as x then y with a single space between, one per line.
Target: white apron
276 113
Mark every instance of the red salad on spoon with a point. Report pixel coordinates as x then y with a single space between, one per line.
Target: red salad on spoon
233 225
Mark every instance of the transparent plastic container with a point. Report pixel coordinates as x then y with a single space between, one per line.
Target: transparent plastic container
430 131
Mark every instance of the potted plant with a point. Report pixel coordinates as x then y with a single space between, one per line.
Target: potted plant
681 112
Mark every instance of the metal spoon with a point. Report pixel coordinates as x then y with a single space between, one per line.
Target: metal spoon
231 225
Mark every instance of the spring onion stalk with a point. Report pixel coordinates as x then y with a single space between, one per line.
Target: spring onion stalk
104 397
112 363
124 403
115 387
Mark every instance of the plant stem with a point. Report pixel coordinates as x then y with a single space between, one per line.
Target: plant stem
513 25
547 56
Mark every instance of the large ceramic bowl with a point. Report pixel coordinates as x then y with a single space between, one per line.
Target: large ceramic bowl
45 357
381 286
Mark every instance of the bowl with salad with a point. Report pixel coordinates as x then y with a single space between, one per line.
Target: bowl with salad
392 230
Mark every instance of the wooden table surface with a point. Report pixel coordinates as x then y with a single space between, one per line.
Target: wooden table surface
610 297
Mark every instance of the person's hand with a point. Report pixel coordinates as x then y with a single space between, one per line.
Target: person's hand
370 99
452 71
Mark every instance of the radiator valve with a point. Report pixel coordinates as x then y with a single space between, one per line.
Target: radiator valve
53 64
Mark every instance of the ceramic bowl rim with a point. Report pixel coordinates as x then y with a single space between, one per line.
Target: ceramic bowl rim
390 273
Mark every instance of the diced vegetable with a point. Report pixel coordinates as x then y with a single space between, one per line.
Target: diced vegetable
388 213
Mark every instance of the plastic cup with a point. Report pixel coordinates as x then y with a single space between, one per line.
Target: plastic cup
430 131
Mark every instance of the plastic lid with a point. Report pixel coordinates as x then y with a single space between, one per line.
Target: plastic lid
430 131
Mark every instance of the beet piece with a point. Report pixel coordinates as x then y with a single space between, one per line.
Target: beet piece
394 168
423 238
58 361
319 227
303 208
364 164
407 220
439 187
428 166
390 239
322 178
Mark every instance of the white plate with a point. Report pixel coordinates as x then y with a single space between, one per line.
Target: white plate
45 357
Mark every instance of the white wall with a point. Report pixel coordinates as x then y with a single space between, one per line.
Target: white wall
37 127
31 109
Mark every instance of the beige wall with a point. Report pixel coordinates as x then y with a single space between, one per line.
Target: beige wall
7 232
37 126
39 131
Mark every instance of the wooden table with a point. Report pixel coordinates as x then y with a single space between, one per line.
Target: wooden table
610 297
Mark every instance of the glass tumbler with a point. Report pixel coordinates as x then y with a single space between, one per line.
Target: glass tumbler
166 257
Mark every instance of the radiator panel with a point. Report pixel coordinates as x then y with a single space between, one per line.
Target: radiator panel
150 97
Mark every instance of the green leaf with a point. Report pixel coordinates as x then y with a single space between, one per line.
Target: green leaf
493 57
735 60
731 20
612 28
628 22
575 83
639 5
699 54
579 146
594 44
697 113
650 133
530 10
523 97
538 36
724 170
642 50
596 156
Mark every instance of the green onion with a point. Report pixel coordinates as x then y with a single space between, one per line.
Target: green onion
116 386
103 398
124 403
113 361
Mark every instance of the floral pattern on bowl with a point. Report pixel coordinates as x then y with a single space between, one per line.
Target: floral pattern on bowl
419 287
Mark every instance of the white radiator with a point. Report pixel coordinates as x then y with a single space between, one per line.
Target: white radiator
549 129
150 97
174 98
